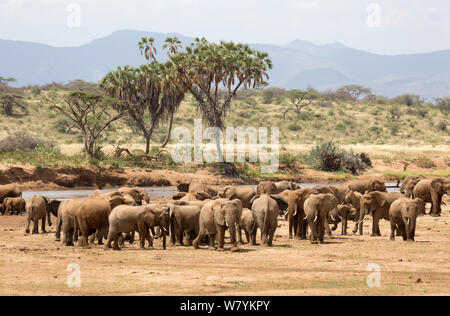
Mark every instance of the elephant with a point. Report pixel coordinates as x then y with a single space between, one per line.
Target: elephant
2 209
247 224
265 210
198 187
245 194
341 214
40 208
353 198
317 207
366 185
183 218
286 185
295 210
377 205
65 222
14 205
9 190
93 214
214 217
101 194
402 214
138 194
127 219
189 196
408 185
183 187
339 191
431 191
266 187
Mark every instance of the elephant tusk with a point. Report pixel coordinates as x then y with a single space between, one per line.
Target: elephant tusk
305 218
362 219
295 213
332 217
340 217
315 219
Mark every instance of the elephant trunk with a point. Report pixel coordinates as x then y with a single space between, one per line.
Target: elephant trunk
163 231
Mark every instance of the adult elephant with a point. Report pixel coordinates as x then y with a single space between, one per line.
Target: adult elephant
366 185
317 207
377 205
38 209
295 210
138 194
215 216
265 211
183 218
353 198
14 205
408 185
9 190
127 219
93 215
266 187
339 191
286 185
66 221
402 214
431 191
245 194
199 187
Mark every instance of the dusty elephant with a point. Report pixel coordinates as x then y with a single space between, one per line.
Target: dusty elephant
65 221
265 210
342 214
408 185
286 185
245 194
339 191
14 205
266 187
214 217
402 214
377 205
248 225
353 198
127 219
138 194
317 207
366 185
183 219
431 191
198 187
9 190
93 215
38 209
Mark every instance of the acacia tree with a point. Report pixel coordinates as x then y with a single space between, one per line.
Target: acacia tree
92 113
148 93
4 83
206 69
300 99
354 91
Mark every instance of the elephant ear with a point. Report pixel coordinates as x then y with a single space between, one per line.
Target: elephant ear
47 200
202 196
238 204
218 213
230 192
253 200
281 201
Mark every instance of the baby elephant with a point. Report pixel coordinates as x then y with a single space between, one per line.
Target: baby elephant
38 209
248 225
402 214
127 219
14 205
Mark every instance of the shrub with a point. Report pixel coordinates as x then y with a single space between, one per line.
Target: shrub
329 157
294 127
442 126
23 142
424 162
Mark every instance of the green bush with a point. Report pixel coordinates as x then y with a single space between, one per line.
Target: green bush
294 127
23 142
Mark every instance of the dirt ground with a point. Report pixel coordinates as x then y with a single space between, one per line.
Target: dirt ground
37 265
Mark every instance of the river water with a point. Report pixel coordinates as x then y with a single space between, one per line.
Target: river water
153 192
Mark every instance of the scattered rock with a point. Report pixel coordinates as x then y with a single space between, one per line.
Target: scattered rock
419 280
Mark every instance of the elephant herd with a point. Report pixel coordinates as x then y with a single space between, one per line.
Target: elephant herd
202 214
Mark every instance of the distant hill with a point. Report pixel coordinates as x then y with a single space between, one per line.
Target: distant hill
297 65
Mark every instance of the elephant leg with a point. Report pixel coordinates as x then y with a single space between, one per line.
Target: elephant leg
247 236
298 226
121 240
271 235
43 224
58 228
322 226
374 226
178 235
344 227
327 228
403 230
75 234
149 240
69 237
239 233
100 233
233 239
220 238
109 240
212 241
291 226
35 226
200 236
393 227
116 239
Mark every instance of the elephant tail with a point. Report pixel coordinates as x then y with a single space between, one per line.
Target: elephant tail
266 217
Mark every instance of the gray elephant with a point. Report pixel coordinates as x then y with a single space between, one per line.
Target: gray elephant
265 211
127 219
377 205
286 185
14 205
402 214
138 194
353 198
38 209
266 187
248 225
408 185
183 219
431 191
198 187
317 207
215 216
245 194
366 185
338 191
65 221
9 190
342 214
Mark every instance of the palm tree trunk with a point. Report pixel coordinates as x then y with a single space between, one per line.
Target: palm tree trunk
169 132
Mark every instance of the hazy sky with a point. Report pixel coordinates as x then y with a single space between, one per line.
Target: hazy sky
381 26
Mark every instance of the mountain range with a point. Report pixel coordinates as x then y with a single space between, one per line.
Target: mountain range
297 65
